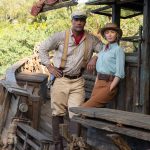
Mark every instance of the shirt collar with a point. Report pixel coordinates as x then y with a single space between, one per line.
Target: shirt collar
84 36
71 33
111 45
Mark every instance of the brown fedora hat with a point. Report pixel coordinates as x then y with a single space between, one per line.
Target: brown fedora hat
111 26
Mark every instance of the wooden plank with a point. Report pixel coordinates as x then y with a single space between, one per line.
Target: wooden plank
131 58
101 9
116 11
2 93
59 5
34 133
23 137
100 124
8 84
133 6
14 88
117 116
10 73
5 110
47 127
31 77
145 58
36 108
18 146
46 147
18 91
98 2
133 15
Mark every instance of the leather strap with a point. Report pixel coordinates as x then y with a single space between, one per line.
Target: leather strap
65 50
85 58
105 77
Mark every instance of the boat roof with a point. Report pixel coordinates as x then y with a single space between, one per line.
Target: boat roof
132 7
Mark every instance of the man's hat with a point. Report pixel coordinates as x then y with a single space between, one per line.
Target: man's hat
111 26
78 15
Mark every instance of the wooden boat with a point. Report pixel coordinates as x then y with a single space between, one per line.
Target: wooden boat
25 105
25 111
23 93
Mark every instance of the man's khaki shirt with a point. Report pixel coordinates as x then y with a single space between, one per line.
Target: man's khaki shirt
75 53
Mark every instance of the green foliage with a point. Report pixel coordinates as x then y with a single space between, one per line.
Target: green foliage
14 9
19 31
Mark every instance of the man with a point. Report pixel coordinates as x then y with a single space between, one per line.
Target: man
73 50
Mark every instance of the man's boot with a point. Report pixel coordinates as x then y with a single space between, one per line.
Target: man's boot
57 138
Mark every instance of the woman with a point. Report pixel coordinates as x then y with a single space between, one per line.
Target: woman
109 67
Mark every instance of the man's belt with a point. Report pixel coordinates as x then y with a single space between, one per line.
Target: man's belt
73 77
106 77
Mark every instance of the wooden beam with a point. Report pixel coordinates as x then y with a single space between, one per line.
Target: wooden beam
98 2
2 94
127 5
116 11
106 126
59 5
105 14
110 15
4 113
133 6
131 59
145 66
122 117
131 39
28 141
31 77
10 73
34 133
133 15
101 9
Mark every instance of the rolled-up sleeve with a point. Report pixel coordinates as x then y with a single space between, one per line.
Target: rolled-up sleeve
120 63
49 44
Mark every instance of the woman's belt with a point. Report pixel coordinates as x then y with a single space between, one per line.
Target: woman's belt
106 77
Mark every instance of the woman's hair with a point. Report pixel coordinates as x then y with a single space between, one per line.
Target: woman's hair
117 36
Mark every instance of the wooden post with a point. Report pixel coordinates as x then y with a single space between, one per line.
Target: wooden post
116 14
145 66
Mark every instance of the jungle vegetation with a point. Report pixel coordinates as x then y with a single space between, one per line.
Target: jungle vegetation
19 31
